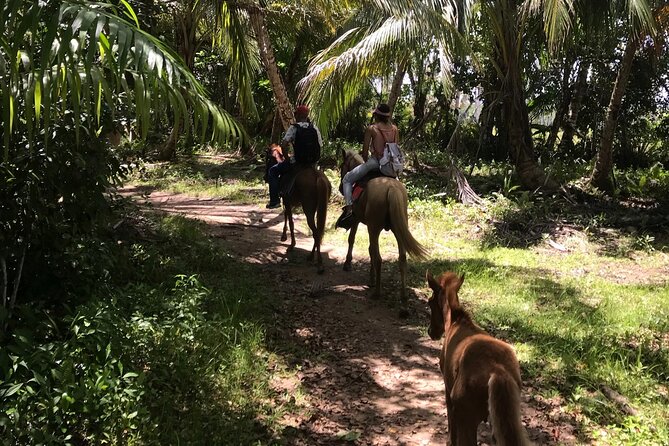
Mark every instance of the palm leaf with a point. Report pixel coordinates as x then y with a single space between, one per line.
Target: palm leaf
86 54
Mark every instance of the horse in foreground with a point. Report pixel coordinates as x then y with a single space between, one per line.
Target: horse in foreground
308 187
481 373
382 205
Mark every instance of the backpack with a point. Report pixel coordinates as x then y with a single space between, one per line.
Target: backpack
306 145
391 163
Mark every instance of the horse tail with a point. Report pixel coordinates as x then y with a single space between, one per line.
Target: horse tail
323 191
504 410
397 206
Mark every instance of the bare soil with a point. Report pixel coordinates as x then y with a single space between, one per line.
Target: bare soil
364 376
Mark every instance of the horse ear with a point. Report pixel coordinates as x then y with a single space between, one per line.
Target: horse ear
343 154
431 281
460 282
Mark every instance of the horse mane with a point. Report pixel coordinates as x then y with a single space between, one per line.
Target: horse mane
356 156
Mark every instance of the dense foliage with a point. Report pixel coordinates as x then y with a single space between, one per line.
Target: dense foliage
524 95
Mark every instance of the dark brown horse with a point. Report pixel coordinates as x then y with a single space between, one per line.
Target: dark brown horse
311 190
382 205
481 373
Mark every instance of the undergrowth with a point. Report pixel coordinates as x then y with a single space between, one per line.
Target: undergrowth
171 352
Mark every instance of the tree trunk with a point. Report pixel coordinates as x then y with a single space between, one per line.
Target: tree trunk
563 107
515 114
602 172
269 62
396 86
420 97
169 149
186 28
277 127
569 128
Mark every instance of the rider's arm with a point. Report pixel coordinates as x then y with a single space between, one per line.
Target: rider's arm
369 136
288 139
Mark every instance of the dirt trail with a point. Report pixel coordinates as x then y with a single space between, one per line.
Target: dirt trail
366 376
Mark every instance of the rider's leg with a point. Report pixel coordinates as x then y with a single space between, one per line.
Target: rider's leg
355 175
273 180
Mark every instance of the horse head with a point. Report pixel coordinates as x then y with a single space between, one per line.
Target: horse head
443 302
350 160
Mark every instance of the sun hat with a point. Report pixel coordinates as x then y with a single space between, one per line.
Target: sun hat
382 110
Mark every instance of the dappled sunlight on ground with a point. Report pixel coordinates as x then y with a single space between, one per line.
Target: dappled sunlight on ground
361 374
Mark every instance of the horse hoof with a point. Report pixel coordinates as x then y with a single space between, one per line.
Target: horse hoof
347 267
284 238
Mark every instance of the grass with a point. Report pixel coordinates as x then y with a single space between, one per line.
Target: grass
591 317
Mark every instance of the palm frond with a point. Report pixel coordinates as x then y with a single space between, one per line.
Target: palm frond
86 53
336 74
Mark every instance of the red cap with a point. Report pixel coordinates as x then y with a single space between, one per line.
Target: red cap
302 110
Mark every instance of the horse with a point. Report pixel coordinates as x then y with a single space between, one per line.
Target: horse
308 187
382 205
481 373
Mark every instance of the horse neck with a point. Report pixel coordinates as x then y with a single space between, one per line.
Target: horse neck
354 161
457 319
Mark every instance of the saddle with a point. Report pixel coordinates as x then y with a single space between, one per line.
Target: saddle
358 189
287 181
359 186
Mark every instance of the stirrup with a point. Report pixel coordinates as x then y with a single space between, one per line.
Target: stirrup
345 220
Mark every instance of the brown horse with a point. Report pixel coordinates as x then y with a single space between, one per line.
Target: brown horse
382 205
481 373
311 190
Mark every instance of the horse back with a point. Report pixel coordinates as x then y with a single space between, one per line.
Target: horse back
375 200
307 184
472 353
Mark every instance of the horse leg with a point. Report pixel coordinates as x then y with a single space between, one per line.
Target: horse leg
310 213
284 237
291 224
351 241
403 279
466 425
375 261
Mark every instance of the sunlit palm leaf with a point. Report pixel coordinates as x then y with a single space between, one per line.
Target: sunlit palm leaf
87 55
337 73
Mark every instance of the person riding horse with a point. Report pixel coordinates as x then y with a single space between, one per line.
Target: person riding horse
377 135
307 142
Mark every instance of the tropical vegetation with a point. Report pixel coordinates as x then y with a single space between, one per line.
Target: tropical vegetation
511 107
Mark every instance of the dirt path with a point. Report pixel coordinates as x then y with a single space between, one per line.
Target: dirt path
365 376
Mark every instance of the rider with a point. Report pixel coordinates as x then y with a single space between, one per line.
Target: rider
376 136
306 140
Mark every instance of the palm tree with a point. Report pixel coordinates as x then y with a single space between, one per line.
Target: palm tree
641 25
364 50
285 109
222 24
376 41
